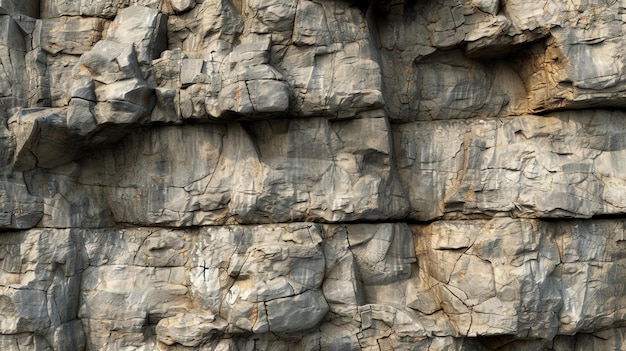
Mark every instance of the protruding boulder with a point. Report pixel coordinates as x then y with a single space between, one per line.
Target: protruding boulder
142 26
42 139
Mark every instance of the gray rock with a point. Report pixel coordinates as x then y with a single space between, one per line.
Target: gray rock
250 86
189 330
13 92
516 269
526 274
42 139
18 208
182 5
60 77
201 185
192 71
492 166
167 107
273 280
238 175
209 23
40 272
144 27
88 8
14 8
70 35
450 86
577 78
307 308
108 62
123 102
80 117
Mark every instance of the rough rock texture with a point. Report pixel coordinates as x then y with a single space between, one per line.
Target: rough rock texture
239 175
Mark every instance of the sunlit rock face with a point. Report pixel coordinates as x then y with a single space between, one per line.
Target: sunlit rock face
230 175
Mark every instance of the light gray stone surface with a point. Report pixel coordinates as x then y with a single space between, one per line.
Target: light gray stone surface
20 7
294 175
143 288
506 166
70 35
572 60
249 173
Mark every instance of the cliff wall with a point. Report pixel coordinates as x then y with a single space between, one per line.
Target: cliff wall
239 175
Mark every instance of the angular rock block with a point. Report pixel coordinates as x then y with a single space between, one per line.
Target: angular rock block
14 75
70 35
122 96
42 139
582 68
19 209
325 81
362 257
146 28
40 277
85 8
529 276
182 5
108 62
567 164
250 85
20 7
273 278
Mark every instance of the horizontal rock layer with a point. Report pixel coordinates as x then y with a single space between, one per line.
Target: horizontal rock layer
567 164
238 173
312 175
423 285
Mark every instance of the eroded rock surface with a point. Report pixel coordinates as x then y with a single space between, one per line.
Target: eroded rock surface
494 166
308 175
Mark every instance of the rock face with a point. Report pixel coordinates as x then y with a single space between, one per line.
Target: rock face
234 175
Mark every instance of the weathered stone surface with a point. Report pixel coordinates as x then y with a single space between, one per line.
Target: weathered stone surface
273 277
501 277
40 273
42 139
311 175
87 8
507 166
182 5
451 86
13 93
250 85
107 89
70 35
20 7
251 173
530 276
18 208
146 28
572 63
581 69
270 281
579 58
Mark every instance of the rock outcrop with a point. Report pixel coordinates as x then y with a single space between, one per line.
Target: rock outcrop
312 175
